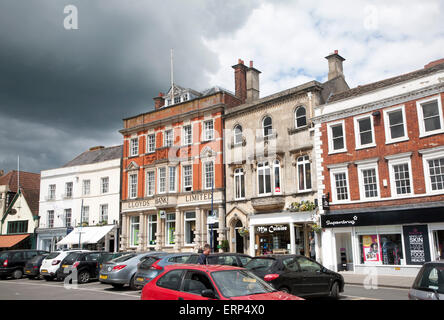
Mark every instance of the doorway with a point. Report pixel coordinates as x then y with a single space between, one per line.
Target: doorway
239 238
344 252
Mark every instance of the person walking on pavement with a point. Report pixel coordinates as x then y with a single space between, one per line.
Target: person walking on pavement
203 257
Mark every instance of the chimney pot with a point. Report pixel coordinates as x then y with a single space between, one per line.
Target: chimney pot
336 51
251 64
239 61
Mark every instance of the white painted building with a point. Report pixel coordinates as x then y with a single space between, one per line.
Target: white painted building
81 198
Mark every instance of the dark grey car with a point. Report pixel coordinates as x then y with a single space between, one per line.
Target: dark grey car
121 271
153 266
429 283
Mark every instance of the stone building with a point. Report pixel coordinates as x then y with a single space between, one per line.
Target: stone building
271 192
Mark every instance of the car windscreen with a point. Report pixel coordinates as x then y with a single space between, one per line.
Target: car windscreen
431 279
146 264
4 255
52 255
236 283
260 264
124 258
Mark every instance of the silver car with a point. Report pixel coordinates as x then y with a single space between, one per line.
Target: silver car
120 271
429 283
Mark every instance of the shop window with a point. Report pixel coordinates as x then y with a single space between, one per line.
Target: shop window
304 173
134 231
190 227
152 229
383 249
170 228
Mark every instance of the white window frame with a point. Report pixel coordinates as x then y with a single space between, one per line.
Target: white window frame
102 206
422 132
185 226
150 232
303 163
70 193
148 183
174 181
132 225
235 136
134 147
356 120
151 145
183 179
185 135
271 166
102 184
50 218
208 133
331 150
388 135
239 174
159 189
85 209
368 166
130 184
333 171
168 142
204 171
428 155
399 161
52 192
66 211
263 127
86 191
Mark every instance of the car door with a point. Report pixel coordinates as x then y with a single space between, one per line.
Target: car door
167 287
193 284
315 281
290 276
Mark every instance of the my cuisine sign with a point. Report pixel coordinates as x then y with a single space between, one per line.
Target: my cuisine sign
271 229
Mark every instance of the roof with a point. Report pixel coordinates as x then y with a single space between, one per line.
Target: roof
28 180
94 156
8 241
32 199
202 267
359 90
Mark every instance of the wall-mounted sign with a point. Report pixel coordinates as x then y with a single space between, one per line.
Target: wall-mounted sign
198 197
325 201
162 214
417 249
138 204
271 229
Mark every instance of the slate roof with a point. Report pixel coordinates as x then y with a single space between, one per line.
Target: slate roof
94 156
359 90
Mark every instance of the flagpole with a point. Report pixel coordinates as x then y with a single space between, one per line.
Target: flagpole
80 229
172 78
18 173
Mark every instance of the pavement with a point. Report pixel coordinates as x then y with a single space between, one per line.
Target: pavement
388 281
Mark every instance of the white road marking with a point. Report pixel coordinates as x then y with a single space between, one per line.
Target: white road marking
60 286
360 298
383 288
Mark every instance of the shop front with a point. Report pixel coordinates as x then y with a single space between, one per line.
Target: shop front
47 238
389 241
282 233
173 223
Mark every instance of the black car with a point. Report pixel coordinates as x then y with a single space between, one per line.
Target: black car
32 266
297 275
229 259
86 264
13 262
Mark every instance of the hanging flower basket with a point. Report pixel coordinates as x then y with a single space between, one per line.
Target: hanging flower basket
316 228
243 232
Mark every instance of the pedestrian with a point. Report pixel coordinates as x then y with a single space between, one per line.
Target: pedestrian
203 257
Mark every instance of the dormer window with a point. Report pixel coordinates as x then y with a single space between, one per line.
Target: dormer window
185 97
176 100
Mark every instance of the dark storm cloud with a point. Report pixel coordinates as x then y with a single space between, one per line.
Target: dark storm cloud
62 91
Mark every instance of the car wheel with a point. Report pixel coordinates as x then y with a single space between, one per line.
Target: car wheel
117 285
3 278
284 289
132 284
47 278
334 291
17 274
83 277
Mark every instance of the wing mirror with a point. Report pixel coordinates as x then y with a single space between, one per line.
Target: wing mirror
208 293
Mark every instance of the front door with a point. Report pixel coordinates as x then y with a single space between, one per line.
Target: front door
239 238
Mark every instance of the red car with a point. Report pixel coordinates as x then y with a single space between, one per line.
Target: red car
210 282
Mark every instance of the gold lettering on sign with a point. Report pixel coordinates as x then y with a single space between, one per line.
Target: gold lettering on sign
198 197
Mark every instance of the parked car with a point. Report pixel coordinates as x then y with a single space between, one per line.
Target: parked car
51 263
32 266
210 282
12 262
297 275
122 270
229 259
154 265
429 282
87 265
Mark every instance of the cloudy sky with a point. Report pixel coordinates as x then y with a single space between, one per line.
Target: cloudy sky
63 91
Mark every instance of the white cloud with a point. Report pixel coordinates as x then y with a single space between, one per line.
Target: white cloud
289 40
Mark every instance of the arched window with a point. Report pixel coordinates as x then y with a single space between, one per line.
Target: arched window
304 173
239 183
267 125
238 134
300 117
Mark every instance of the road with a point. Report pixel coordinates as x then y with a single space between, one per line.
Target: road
52 290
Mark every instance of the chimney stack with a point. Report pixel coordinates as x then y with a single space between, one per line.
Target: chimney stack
252 83
2 172
335 68
159 101
240 80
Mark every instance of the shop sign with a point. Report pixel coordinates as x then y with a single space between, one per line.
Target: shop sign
138 204
271 229
162 214
198 197
417 249
161 200
335 222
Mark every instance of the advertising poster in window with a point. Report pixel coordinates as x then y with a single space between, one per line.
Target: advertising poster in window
370 244
417 249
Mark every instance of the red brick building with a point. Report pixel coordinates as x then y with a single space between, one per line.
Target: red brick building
380 167
173 171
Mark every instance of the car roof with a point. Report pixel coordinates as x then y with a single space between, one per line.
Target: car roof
201 267
277 256
228 254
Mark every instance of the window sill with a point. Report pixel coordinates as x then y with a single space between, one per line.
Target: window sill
428 134
366 147
337 151
396 140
